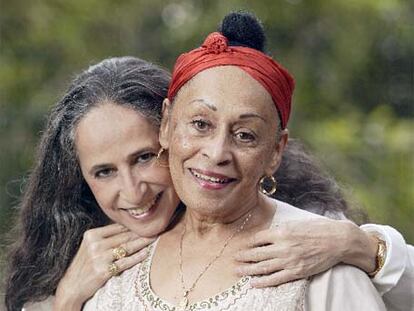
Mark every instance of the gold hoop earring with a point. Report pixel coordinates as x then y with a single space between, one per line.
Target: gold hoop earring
157 159
262 188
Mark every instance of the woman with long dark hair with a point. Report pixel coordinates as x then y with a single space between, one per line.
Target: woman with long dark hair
58 208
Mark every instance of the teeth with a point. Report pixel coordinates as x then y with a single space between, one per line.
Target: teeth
138 211
209 178
143 209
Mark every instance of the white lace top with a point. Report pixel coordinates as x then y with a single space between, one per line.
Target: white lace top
132 291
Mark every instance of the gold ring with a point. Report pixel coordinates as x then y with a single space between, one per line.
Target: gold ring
113 269
119 253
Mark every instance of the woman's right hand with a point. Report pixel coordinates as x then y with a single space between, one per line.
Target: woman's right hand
89 269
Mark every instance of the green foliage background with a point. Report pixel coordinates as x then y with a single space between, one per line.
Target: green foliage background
352 59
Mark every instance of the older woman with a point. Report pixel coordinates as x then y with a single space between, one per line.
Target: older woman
224 127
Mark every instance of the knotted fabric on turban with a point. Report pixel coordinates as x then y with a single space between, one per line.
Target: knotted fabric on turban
215 51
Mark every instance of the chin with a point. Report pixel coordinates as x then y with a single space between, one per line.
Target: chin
148 230
152 232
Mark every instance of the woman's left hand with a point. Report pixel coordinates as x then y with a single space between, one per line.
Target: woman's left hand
294 250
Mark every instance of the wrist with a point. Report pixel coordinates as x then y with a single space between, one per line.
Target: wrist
67 301
360 248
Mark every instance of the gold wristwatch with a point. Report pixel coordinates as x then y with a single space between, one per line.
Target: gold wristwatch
380 257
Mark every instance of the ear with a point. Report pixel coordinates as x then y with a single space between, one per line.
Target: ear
277 153
165 123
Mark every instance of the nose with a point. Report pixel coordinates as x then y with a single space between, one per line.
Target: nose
218 149
132 188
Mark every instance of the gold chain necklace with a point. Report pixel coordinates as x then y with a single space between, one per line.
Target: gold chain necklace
184 302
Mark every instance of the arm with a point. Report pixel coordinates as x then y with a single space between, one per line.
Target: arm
395 281
89 269
298 249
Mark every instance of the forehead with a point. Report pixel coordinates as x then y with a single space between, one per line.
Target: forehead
109 126
229 87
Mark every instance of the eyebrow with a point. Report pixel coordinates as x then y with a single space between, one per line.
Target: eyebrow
202 101
98 167
251 115
214 108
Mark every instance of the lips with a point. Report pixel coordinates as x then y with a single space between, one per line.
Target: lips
144 208
210 177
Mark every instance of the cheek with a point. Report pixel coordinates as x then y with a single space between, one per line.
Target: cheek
103 193
253 163
182 144
160 176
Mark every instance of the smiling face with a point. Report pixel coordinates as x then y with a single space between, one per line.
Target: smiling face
117 150
222 139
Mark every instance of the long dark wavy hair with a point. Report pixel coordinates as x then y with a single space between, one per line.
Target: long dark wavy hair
57 205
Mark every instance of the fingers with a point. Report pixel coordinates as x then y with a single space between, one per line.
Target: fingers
135 252
274 279
256 254
138 253
136 245
118 239
130 245
259 268
107 231
99 243
130 261
97 234
262 238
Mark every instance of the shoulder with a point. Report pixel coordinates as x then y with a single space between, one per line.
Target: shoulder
286 212
343 287
342 274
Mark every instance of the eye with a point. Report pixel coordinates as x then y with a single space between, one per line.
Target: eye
104 173
201 125
145 157
245 136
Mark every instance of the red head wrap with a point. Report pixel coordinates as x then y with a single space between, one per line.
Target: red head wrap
215 51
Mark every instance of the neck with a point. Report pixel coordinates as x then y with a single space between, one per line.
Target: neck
203 226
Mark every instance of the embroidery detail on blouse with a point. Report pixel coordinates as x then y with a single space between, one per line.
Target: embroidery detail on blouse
240 297
147 297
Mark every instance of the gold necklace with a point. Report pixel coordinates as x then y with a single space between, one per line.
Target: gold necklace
184 302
